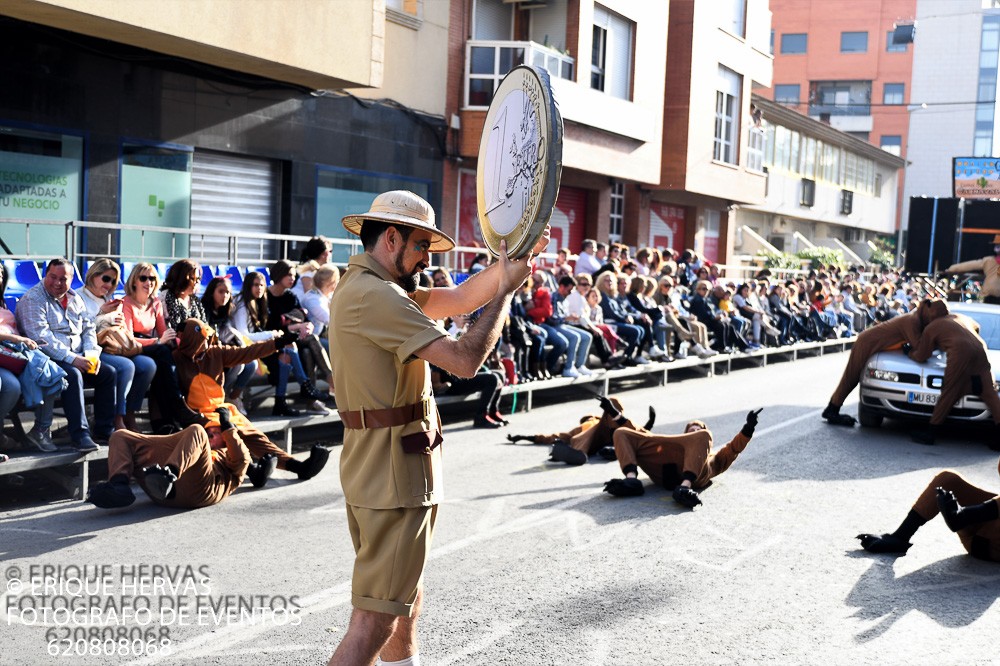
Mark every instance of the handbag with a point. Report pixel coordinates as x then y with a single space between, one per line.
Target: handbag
12 359
119 341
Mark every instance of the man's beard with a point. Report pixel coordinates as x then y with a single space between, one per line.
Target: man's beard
408 281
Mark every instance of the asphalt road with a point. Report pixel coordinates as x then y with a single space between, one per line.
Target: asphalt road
533 564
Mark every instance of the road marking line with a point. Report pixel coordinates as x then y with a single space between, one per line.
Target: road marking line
221 638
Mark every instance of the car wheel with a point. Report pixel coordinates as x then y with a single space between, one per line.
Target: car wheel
868 418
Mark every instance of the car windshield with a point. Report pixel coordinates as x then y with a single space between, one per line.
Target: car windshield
989 328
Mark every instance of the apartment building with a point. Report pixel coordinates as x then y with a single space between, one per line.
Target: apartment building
954 110
712 160
824 187
841 63
606 60
207 116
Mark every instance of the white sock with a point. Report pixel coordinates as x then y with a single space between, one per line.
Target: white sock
412 660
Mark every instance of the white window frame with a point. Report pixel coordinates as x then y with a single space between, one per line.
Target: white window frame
756 140
612 54
616 218
727 117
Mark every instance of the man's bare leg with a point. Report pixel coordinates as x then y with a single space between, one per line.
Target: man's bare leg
403 642
366 636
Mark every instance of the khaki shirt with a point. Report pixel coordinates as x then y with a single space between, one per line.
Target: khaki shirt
990 269
376 328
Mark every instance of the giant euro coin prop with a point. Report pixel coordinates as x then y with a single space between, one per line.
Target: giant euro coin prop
520 162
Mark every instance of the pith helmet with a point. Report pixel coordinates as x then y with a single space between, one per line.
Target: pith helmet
406 208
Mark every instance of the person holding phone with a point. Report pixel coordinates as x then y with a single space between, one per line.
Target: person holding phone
134 374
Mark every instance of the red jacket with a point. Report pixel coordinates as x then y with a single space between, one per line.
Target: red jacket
543 306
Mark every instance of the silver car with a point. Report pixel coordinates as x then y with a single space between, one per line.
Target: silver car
896 386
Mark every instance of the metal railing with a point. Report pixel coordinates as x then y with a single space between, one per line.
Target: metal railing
487 62
242 249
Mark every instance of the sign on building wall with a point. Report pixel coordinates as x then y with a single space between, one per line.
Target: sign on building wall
155 198
38 187
666 226
976 177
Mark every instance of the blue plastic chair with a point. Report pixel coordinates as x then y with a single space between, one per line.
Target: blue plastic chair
11 301
235 274
22 275
264 270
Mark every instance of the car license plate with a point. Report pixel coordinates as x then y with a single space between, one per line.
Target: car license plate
921 398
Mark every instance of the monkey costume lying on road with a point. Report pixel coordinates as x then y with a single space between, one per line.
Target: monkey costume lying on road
972 512
186 470
201 366
886 335
967 370
681 463
591 437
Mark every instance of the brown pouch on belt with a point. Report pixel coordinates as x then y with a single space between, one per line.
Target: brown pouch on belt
423 442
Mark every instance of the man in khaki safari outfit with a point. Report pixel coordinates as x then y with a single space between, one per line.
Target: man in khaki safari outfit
382 337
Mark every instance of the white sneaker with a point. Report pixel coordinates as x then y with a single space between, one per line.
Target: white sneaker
584 371
682 349
570 372
704 352
655 352
641 360
318 407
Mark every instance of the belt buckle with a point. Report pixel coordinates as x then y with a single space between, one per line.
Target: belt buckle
363 426
425 404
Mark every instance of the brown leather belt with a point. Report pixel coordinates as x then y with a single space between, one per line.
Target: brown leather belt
364 419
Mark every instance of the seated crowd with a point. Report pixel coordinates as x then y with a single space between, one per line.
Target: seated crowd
123 345
605 310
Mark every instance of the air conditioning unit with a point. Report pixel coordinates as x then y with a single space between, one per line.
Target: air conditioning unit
807 193
846 202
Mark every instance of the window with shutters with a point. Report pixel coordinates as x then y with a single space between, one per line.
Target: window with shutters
611 53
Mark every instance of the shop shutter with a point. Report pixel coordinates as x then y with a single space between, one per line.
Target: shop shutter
493 20
569 218
236 194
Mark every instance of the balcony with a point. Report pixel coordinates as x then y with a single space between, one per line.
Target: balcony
487 62
840 98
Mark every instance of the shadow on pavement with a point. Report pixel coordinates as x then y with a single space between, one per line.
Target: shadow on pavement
882 597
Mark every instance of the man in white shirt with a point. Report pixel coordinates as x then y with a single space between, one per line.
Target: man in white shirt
587 262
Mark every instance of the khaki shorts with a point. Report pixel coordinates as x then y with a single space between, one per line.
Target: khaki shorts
391 547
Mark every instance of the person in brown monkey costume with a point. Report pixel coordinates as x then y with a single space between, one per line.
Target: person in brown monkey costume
967 371
682 463
189 469
990 267
592 436
881 337
972 512
201 365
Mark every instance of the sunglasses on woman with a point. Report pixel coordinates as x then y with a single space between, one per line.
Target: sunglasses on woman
146 278
106 279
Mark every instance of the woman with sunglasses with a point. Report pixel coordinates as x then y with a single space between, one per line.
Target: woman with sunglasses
179 287
218 303
144 318
134 374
